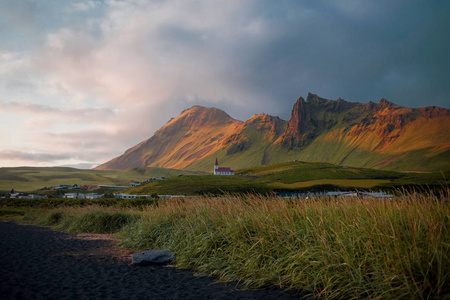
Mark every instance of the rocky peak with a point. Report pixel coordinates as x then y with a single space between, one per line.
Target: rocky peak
195 118
265 118
299 124
313 98
264 122
371 105
300 115
434 112
200 116
383 103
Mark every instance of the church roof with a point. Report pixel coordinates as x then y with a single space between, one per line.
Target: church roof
221 169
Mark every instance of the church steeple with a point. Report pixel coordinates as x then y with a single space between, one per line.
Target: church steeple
222 170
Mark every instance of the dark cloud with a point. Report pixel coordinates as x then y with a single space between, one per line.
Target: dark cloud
394 50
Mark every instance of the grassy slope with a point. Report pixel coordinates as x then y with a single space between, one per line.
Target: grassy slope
288 175
258 141
204 184
421 145
31 178
291 176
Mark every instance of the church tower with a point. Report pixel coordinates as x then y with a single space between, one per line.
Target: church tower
221 170
216 166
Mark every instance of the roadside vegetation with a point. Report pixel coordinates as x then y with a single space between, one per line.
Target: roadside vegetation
346 248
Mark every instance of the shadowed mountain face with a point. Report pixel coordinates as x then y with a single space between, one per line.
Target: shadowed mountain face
376 135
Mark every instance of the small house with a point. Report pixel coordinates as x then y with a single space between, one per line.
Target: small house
74 195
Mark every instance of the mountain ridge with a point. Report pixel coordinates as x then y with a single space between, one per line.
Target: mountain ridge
377 135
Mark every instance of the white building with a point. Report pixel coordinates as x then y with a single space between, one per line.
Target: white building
91 196
32 196
222 170
124 196
74 195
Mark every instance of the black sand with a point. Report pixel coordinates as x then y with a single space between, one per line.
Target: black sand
40 263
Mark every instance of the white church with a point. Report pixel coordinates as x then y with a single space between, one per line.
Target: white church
221 170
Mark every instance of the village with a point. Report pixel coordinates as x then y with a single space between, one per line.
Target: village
81 191
76 191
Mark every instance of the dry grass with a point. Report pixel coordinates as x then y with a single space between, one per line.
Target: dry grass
336 248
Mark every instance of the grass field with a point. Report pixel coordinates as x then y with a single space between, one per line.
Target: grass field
265 179
295 176
344 183
335 248
29 179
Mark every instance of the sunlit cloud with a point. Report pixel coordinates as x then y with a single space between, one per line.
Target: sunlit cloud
32 157
81 114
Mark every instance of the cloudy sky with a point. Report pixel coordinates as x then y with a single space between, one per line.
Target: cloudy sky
82 81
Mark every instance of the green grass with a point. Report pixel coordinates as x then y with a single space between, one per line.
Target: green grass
12 213
335 248
422 161
342 183
296 176
202 184
86 219
23 204
291 172
27 179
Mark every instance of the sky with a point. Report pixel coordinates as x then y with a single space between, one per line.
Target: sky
83 81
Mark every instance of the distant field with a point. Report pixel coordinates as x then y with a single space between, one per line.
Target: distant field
294 176
356 183
27 179
264 179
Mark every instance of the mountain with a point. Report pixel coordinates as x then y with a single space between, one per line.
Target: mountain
374 135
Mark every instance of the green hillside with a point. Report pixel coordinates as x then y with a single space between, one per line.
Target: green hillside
294 176
379 135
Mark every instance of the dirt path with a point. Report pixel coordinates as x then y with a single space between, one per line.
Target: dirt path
40 263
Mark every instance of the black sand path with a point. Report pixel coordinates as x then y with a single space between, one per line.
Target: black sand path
40 263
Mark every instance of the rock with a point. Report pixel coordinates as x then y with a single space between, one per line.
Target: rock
152 257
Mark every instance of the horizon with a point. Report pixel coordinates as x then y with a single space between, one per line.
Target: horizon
82 81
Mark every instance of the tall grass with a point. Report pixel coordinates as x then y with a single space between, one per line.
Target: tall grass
85 219
336 248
